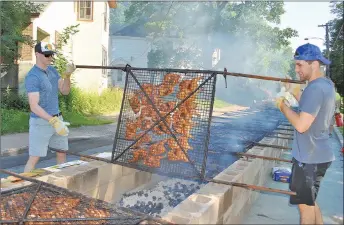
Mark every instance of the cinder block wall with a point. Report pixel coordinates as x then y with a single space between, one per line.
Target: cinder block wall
224 204
99 180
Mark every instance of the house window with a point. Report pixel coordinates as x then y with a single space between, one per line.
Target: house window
85 10
105 16
104 60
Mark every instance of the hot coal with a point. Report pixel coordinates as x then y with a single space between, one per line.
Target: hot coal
161 198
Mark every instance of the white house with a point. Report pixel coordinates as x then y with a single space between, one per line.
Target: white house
131 45
88 47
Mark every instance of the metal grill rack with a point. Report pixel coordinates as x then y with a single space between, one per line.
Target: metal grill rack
44 203
164 122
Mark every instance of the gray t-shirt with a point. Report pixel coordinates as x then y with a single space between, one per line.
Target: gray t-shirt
46 83
313 146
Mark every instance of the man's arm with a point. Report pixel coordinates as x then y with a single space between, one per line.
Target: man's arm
35 108
301 122
64 85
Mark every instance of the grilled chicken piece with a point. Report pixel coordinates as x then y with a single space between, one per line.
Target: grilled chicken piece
152 161
183 141
177 155
131 129
138 155
165 89
134 103
157 148
171 79
186 87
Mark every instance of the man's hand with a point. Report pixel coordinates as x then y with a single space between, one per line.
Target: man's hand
279 101
59 126
69 70
295 89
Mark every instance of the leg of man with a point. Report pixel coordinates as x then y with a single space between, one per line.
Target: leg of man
318 215
59 143
306 183
40 132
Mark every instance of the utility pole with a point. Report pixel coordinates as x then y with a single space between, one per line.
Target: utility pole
327 47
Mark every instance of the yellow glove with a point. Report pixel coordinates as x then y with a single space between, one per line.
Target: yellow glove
296 89
279 101
59 126
69 70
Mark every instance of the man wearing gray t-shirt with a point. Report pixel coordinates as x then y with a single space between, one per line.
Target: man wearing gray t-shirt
46 125
311 150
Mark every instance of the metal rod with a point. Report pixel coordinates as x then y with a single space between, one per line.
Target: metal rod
285 129
81 155
195 71
271 136
261 157
119 118
207 139
271 146
253 187
31 201
79 219
166 124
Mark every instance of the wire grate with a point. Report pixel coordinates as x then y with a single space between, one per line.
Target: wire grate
164 122
54 205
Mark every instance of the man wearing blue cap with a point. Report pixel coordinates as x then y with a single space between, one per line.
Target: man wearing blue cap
311 150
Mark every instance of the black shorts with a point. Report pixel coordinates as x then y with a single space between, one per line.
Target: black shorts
305 181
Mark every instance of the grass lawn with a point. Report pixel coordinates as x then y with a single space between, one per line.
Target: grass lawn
15 121
220 104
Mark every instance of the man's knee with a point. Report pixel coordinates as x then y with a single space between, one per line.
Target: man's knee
306 208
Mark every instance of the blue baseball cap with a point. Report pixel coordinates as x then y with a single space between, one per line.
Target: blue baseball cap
310 52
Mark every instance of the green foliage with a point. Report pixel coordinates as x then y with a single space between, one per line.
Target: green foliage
13 100
218 103
17 121
14 18
200 27
60 60
337 46
13 121
91 103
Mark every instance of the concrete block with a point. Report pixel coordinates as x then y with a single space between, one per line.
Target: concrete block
127 171
142 177
177 219
222 196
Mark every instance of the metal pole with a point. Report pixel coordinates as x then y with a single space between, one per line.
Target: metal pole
167 70
327 47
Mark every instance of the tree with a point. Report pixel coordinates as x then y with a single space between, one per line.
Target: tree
15 17
337 46
242 31
60 60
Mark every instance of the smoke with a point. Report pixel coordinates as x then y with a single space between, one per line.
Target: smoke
194 37
239 53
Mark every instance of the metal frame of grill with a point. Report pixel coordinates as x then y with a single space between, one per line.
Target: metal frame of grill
193 162
39 190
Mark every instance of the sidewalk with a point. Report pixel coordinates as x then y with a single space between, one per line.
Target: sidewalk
275 209
13 144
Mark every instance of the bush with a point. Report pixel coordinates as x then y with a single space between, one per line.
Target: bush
12 100
91 103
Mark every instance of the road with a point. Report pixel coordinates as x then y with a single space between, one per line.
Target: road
85 146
